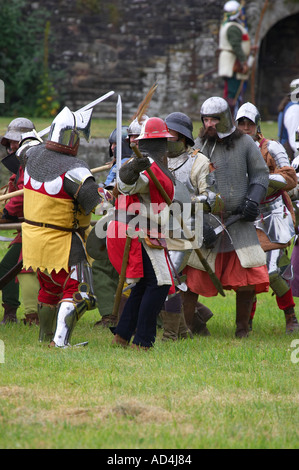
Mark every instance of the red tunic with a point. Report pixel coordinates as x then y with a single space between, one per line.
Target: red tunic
116 233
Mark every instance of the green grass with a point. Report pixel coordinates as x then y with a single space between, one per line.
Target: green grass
209 392
214 392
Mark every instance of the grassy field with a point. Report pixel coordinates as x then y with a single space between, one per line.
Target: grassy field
213 392
103 128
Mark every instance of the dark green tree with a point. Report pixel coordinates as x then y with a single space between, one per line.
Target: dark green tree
21 55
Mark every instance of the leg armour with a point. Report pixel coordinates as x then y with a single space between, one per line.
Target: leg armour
69 313
277 283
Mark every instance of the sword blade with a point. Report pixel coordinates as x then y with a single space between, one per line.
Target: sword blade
118 135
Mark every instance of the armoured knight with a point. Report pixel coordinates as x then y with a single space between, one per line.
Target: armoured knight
13 212
239 177
59 196
190 169
275 223
140 201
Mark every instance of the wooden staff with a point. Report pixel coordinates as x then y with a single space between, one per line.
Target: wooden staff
190 237
20 192
122 277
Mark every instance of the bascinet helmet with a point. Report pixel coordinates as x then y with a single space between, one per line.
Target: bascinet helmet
181 123
135 126
218 108
232 9
15 129
249 111
66 130
154 128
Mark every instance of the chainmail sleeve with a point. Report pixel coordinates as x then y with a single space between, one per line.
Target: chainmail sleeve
80 184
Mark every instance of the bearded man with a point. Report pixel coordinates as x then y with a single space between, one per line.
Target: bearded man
237 182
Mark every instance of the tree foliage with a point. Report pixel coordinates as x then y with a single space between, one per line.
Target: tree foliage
22 56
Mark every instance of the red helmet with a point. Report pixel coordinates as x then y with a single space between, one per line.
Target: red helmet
154 128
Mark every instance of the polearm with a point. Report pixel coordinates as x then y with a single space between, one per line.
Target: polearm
85 108
20 192
118 135
189 235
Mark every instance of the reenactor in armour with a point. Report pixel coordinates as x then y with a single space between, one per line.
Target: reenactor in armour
25 282
60 194
237 182
275 223
189 170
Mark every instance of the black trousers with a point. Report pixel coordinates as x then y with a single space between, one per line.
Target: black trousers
142 307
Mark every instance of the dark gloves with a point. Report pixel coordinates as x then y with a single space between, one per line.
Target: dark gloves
250 210
129 172
250 206
209 236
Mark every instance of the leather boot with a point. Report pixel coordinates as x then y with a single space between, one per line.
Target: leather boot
291 320
31 319
119 341
10 314
189 305
184 332
107 321
202 315
171 322
244 301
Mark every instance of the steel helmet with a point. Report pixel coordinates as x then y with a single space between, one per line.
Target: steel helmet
181 123
218 108
154 128
126 150
66 130
233 9
15 129
135 126
249 111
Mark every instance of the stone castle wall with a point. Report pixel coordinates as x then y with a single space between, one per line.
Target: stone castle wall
129 46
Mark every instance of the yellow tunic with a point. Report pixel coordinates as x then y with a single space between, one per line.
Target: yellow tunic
47 248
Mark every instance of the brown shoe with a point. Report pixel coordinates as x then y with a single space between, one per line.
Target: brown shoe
31 319
119 341
291 321
10 314
107 321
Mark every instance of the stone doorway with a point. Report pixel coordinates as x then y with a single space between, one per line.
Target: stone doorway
278 65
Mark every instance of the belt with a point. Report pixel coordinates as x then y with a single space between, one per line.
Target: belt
54 227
